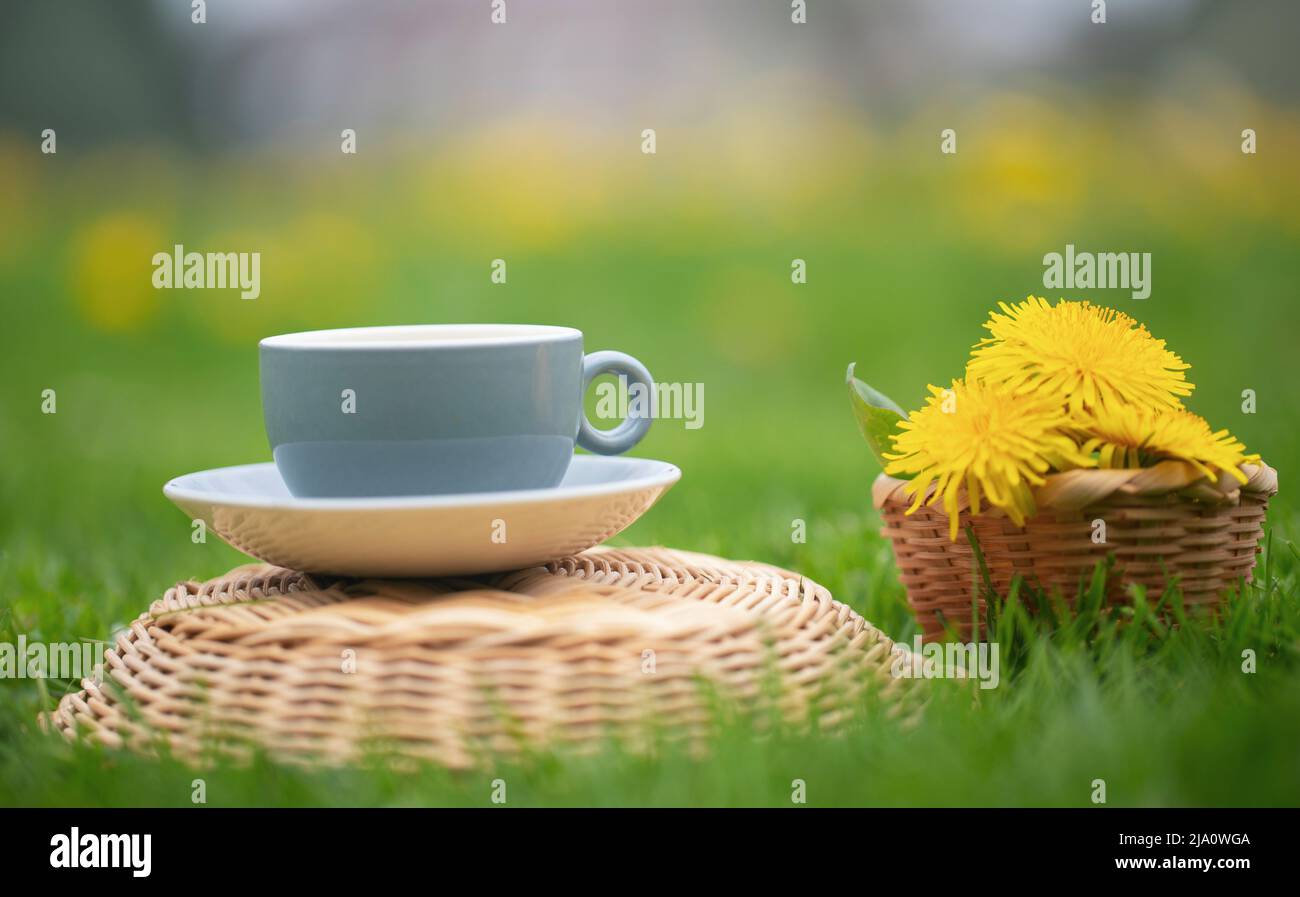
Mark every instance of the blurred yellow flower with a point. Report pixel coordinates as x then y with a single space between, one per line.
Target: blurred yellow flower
1125 436
1024 180
317 269
994 442
523 182
112 271
1085 356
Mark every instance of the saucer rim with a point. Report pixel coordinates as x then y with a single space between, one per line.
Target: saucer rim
662 475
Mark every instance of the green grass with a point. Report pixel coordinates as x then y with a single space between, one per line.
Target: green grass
1163 714
689 272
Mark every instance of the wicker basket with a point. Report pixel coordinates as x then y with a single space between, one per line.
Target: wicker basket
462 672
1162 523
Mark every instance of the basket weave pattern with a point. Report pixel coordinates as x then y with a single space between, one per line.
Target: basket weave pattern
456 671
1164 523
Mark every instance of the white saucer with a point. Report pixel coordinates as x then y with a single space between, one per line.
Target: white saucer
429 535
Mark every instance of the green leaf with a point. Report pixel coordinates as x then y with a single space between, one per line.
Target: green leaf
877 414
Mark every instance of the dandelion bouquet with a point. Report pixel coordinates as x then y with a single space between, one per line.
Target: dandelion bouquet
1052 388
1068 416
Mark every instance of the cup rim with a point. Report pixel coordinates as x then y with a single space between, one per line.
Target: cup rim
422 336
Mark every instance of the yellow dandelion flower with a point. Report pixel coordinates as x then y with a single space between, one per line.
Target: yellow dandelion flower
988 440
111 271
1084 355
1139 437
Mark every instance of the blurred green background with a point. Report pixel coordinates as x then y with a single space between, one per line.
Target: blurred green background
523 142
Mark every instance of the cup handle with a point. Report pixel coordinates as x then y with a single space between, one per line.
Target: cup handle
629 432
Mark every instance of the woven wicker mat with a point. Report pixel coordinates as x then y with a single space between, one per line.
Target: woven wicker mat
635 645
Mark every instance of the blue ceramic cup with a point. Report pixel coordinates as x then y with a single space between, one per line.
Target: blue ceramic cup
435 409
